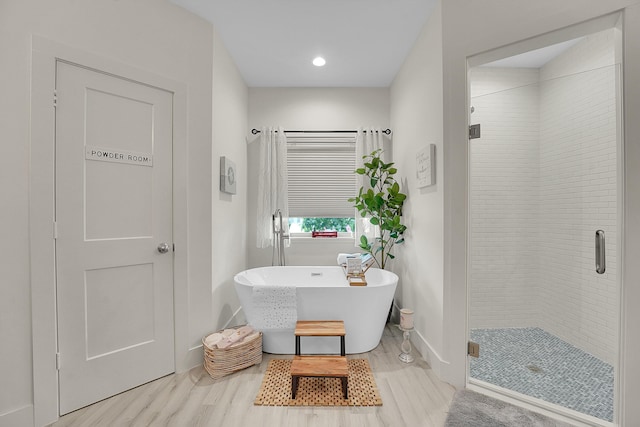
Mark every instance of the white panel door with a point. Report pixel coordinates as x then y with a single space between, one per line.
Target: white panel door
113 210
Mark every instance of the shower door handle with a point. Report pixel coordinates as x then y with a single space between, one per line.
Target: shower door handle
601 263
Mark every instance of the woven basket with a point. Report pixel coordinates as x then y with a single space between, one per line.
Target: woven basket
219 362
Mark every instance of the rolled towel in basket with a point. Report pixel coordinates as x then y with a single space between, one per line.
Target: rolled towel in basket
245 330
213 339
239 334
229 337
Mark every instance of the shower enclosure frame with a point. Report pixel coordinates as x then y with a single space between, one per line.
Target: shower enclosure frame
590 27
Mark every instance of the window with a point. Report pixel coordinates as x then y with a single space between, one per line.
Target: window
321 179
309 224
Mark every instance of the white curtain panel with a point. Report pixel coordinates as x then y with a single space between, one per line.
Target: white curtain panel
367 141
272 184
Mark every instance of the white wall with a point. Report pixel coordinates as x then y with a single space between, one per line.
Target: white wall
163 39
229 236
307 109
15 292
471 28
416 118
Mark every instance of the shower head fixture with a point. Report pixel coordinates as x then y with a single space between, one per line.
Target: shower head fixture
472 109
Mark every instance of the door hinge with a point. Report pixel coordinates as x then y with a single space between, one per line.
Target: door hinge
474 131
58 361
473 349
173 246
55 230
55 98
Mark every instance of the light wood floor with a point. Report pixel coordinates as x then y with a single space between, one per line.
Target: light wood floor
411 396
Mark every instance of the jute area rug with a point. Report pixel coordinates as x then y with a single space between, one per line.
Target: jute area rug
276 387
474 409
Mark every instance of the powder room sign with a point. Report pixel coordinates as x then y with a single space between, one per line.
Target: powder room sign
118 156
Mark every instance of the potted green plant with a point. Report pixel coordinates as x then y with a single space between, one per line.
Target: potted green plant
382 203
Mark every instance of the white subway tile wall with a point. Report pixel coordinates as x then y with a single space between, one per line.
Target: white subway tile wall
504 199
543 180
578 158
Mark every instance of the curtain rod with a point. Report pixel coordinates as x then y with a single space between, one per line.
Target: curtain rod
386 131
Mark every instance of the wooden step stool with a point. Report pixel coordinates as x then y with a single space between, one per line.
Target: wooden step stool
320 366
320 328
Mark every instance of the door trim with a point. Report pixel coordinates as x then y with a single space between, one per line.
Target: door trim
44 54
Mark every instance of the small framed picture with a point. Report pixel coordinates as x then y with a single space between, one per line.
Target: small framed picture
227 176
425 166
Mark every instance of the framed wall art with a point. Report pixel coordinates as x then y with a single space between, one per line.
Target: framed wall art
425 166
227 176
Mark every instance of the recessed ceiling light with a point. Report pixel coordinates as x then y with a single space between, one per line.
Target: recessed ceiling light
319 61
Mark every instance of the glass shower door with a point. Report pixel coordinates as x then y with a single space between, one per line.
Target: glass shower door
543 181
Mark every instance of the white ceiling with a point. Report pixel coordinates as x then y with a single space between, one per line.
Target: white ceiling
274 41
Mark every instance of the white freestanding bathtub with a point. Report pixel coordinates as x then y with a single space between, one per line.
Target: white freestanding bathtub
323 293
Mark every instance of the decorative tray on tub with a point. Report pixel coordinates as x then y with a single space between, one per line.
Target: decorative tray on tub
355 273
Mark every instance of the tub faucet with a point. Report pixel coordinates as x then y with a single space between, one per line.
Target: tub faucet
279 236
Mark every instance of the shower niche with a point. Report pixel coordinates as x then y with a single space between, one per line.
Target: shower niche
544 176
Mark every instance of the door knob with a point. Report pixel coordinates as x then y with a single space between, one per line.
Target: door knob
163 248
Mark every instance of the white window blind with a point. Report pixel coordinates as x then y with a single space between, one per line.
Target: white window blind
321 176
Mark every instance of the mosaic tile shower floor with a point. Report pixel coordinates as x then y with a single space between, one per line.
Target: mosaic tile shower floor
538 364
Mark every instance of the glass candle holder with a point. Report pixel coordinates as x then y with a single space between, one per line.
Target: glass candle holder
406 318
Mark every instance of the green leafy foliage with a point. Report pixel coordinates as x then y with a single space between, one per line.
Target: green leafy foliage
321 224
382 203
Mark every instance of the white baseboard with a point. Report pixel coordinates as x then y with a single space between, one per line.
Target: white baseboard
194 357
22 417
438 365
